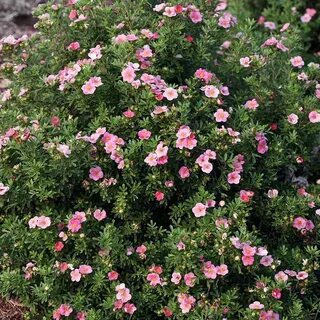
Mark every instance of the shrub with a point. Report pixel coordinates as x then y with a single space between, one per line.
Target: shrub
160 161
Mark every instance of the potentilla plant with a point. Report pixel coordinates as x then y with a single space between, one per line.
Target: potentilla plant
159 160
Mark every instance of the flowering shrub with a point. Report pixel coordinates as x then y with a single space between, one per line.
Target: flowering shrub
160 161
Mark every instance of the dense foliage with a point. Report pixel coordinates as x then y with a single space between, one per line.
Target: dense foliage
162 161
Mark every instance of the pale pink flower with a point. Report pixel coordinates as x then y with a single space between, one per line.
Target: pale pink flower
121 38
270 25
128 74
211 91
144 134
96 81
176 277
293 118
251 104
226 21
170 94
297 62
123 293
285 27
314 117
256 306
273 193
186 302
161 150
266 261
154 279
199 210
234 177
95 53
129 113
146 52
305 18
204 75
129 308
181 246
281 276
99 214
64 149
33 222
221 115
151 159
96 173
88 88
75 275
141 249
85 269
3 189
190 279
222 270
245 62
302 275
170 12
43 222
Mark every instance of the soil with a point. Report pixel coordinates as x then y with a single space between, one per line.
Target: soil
10 310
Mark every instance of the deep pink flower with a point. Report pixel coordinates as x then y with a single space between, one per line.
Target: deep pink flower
74 224
154 279
113 275
195 16
299 223
247 260
159 195
276 293
144 134
184 172
73 46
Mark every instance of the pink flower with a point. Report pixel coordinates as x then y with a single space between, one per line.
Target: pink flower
154 279
199 210
273 193
184 172
270 25
245 195
186 302
256 306
234 177
221 115
151 159
74 224
170 94
141 250
247 260
281 276
276 293
144 134
81 316
247 250
96 173
176 277
266 261
245 62
226 21
190 279
65 310
123 293
209 270
161 150
204 75
88 88
195 16
58 246
211 91
129 114
293 118
222 270
99 214
75 275
170 12
297 62
113 275
251 104
159 195
33 222
85 269
299 223
302 275
181 246
43 222
314 117
129 308
128 74
73 46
